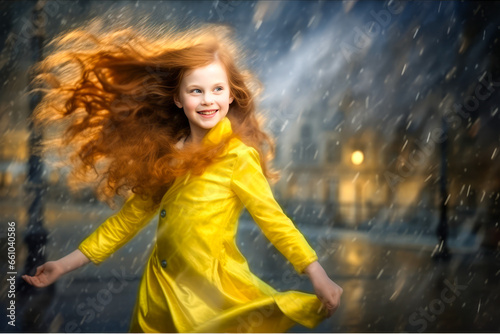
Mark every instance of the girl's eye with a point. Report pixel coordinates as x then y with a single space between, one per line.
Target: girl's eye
196 90
218 89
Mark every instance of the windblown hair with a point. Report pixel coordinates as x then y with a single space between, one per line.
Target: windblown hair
109 104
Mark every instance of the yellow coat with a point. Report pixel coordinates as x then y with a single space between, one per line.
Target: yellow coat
196 279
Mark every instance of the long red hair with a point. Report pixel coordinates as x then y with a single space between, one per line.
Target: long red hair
108 106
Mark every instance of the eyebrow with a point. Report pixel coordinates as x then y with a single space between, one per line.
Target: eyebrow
216 84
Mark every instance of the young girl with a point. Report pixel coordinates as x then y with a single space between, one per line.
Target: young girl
172 120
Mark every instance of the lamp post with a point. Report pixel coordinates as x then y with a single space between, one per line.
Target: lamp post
35 236
441 250
357 158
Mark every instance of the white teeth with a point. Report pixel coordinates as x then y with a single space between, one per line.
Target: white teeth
207 112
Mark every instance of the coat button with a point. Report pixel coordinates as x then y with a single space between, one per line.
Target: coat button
163 263
163 213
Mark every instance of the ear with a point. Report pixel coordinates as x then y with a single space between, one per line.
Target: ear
177 102
231 98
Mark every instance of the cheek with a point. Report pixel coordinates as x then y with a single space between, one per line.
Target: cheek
224 100
191 103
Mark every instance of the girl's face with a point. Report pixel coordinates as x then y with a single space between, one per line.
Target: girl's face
205 97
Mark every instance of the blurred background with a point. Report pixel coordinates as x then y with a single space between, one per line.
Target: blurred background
386 120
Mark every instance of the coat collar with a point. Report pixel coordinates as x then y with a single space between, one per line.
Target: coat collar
218 132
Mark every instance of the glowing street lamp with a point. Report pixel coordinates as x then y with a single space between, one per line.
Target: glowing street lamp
357 157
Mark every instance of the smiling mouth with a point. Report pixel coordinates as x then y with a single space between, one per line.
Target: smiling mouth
207 112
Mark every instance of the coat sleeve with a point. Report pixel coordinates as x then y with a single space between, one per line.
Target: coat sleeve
117 230
251 186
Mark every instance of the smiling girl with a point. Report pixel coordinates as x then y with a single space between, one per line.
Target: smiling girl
170 124
204 96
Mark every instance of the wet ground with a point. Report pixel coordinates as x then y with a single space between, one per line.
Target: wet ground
390 284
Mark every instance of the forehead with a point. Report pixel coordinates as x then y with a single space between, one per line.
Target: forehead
214 72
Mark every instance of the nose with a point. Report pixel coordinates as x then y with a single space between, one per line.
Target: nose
207 99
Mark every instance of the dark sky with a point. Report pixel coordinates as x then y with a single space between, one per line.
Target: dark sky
309 54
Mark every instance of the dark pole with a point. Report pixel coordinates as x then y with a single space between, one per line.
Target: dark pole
35 236
441 250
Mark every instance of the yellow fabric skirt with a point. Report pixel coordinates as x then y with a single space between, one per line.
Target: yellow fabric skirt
158 309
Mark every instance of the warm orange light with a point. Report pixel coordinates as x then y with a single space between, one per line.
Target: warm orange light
357 157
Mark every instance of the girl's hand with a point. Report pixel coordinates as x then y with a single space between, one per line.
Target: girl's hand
328 291
46 274
50 271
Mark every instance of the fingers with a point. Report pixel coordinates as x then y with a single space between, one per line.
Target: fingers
33 280
330 304
329 294
328 308
39 269
27 279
